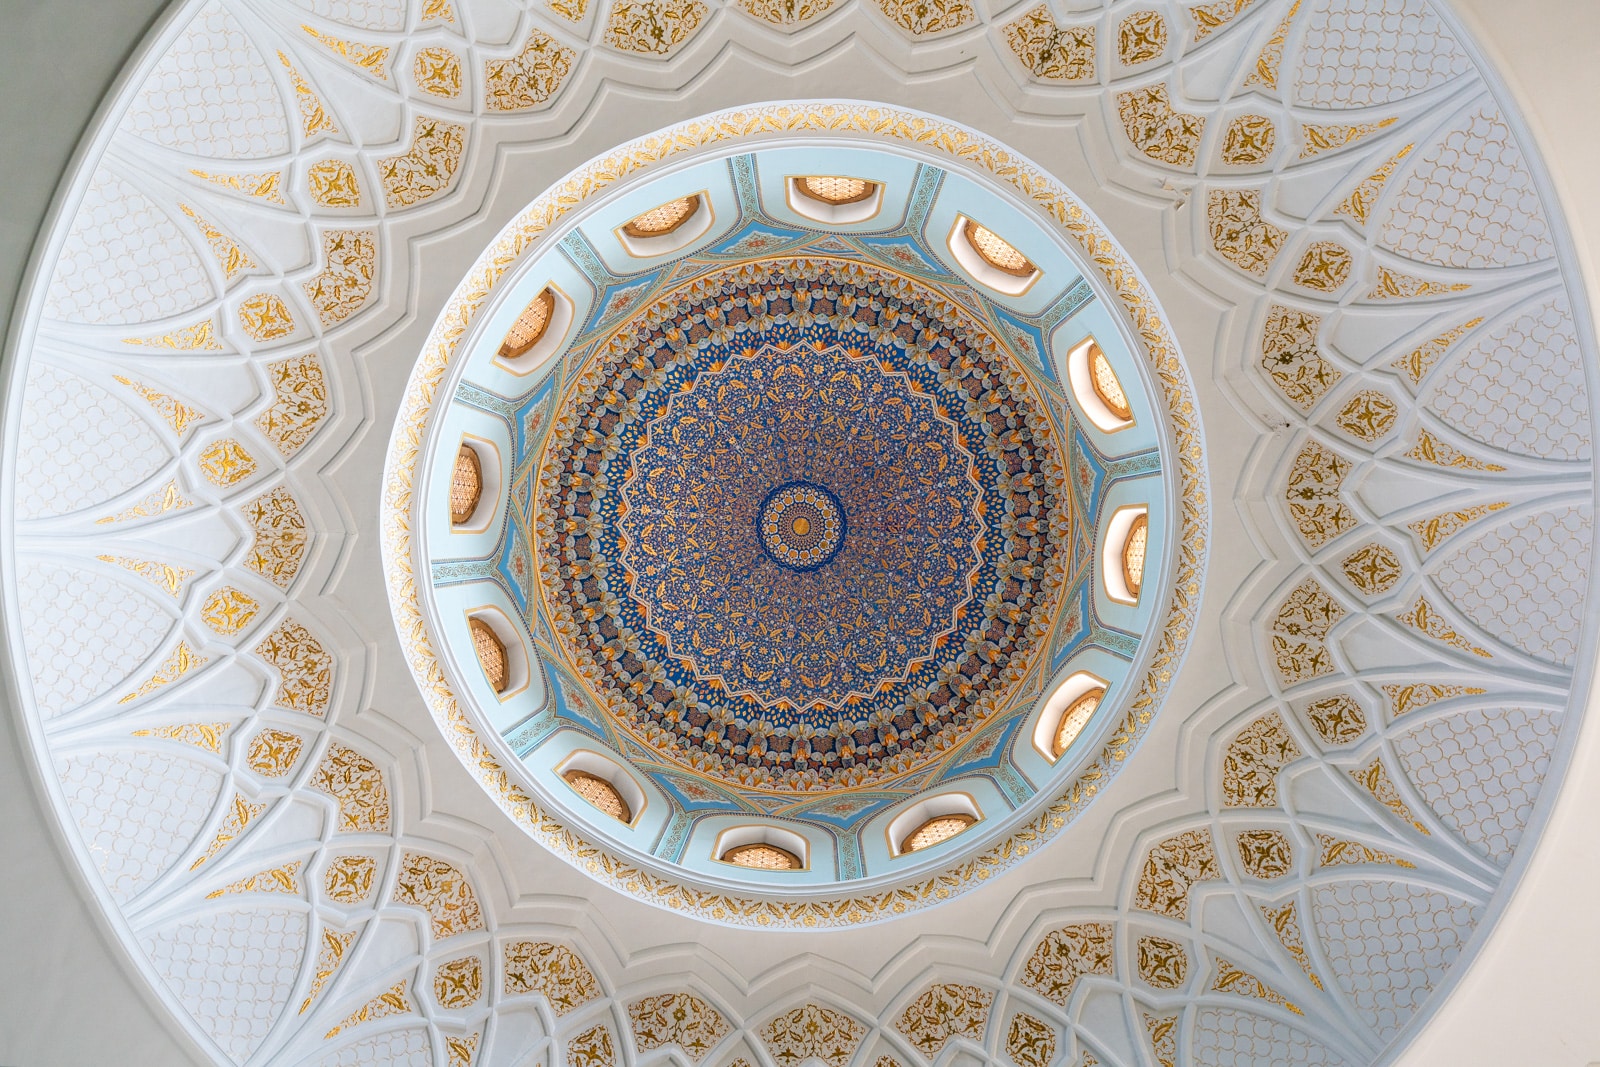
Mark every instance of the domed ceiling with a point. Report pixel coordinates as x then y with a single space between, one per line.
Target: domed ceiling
476 474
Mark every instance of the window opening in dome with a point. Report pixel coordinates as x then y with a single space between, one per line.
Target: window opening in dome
836 190
996 251
530 325
466 485
1106 385
491 654
1074 719
1133 553
938 829
599 792
762 856
660 221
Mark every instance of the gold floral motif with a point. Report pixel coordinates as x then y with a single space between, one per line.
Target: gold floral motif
1231 979
1162 963
438 887
265 318
1050 51
228 610
1429 449
574 10
1299 634
1338 852
285 879
681 1019
348 879
1338 719
334 945
426 167
438 72
813 1031
1160 132
1170 868
357 784
652 27
1358 205
1368 416
240 814
201 337
1416 364
1425 618
1325 267
1434 531
206 735
1141 37
1318 138
461 1049
305 669
345 283
299 402
1242 237
1313 494
1265 73
553 971
179 662
1394 285
1373 569
393 1002
1374 778
1265 854
1290 355
273 752
280 536
263 185
1163 1033
459 983
528 78
167 498
1063 956
943 1012
1030 1042
777 12
1252 760
314 118
438 11
1404 698
1209 18
1249 141
230 257
226 462
175 413
592 1048
167 577
333 184
1285 922
921 18
370 59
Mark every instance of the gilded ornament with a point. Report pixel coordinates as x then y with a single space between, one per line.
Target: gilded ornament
1338 719
1416 364
1252 760
228 610
168 498
1163 1033
233 259
1051 51
1299 634
168 577
1325 267
299 402
262 185
1368 416
923 18
273 752
1339 852
572 10
812 1032
284 879
1318 138
1265 73
239 813
332 183
592 1048
437 72
329 955
681 1019
1159 131
1359 204
553 971
1285 922
265 318
226 462
427 166
206 735
356 783
439 888
369 59
652 27
1374 778
943 1012
1410 697
1241 236
1313 495
458 983
200 337
1231 979
349 879
1249 141
1437 529
1426 619
1265 854
346 280
1209 18
393 1002
782 12
281 538
1170 868
1063 956
461 1049
179 662
1141 37
438 11
1030 1042
1162 962
1372 569
305 669
175 413
1395 285
314 118
528 78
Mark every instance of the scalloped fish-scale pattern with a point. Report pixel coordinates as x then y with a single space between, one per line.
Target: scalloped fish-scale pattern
83 445
1481 772
387 15
65 611
137 811
234 971
1470 202
1233 1038
398 1048
211 95
1523 581
1389 944
1363 53
124 261
1521 388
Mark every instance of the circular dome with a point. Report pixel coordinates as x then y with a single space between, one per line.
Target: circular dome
800 516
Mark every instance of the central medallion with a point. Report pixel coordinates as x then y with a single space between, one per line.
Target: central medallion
802 526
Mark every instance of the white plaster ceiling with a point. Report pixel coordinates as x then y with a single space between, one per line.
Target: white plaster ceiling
166 818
